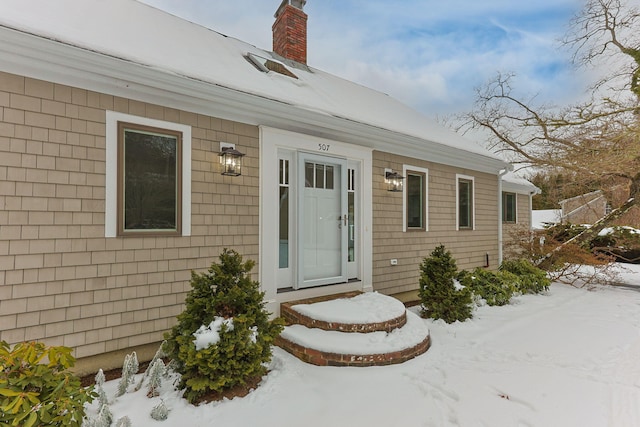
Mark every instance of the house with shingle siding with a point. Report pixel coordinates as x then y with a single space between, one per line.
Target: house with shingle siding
114 117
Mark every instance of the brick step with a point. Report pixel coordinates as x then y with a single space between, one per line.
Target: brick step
334 348
346 312
352 329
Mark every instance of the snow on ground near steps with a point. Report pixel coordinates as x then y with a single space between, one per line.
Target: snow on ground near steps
370 307
380 342
569 358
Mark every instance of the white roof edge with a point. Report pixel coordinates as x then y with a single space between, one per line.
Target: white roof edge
515 183
45 59
580 196
520 188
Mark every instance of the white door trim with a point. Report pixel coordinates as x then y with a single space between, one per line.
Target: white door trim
271 140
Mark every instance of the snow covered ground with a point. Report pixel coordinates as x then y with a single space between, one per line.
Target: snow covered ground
567 358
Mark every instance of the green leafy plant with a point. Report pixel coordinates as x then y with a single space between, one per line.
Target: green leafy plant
36 389
441 296
495 287
530 279
223 301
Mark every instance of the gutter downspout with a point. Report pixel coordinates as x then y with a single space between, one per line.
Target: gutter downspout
531 193
502 173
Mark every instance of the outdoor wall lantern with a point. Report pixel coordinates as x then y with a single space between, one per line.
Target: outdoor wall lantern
393 180
230 159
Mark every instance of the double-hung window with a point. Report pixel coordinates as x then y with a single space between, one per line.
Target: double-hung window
465 202
509 207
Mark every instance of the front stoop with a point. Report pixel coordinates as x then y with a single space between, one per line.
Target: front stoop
352 343
293 317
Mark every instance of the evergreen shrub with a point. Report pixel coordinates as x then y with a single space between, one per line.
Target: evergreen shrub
530 279
440 294
495 287
36 388
227 297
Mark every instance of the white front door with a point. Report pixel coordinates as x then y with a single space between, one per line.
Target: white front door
322 220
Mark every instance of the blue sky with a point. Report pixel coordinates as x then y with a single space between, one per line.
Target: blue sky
429 54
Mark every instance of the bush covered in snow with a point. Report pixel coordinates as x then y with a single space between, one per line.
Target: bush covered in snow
495 287
223 337
530 279
440 293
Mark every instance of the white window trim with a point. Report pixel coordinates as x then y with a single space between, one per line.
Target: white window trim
473 200
111 183
405 169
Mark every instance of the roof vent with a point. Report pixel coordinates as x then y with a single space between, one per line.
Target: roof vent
266 65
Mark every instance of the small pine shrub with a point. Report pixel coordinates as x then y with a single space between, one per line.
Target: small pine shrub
160 412
495 287
37 389
160 353
129 370
124 422
226 292
100 378
105 417
157 370
101 394
440 297
530 279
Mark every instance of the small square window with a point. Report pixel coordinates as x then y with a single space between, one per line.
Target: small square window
149 180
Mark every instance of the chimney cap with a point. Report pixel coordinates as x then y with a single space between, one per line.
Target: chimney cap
298 4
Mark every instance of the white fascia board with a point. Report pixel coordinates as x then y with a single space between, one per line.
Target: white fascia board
512 187
40 58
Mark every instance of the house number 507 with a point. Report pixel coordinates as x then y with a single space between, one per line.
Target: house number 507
323 147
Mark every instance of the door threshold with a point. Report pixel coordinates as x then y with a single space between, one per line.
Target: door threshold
291 289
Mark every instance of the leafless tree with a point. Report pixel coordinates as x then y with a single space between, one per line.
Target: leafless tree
599 139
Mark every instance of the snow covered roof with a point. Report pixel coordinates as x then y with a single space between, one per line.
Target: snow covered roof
132 49
515 183
583 197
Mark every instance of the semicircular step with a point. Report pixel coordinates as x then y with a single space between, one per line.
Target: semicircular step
335 348
349 312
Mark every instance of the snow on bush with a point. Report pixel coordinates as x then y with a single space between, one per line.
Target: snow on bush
210 334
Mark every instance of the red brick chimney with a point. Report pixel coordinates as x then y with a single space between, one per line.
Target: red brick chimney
290 31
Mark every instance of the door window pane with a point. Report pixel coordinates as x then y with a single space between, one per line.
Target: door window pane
283 233
319 175
329 177
351 208
309 180
284 227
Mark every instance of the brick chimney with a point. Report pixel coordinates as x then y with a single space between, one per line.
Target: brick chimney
290 31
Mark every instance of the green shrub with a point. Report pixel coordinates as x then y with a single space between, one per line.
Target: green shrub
530 279
495 287
36 389
440 297
226 301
